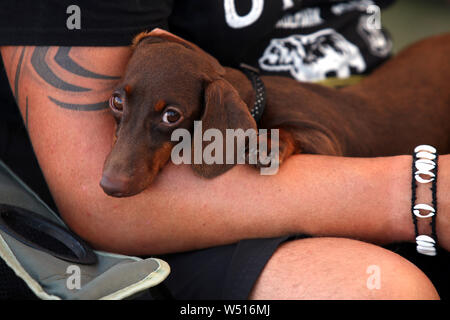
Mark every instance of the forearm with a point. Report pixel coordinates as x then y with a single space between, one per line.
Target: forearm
367 199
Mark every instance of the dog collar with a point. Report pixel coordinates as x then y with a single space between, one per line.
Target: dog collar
260 90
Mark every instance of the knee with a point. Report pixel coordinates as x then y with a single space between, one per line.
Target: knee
335 268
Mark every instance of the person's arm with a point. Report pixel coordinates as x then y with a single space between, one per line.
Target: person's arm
367 199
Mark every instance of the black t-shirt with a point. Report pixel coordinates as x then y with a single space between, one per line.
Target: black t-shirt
309 40
306 40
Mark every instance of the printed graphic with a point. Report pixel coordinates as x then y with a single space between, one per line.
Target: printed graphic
341 8
305 18
313 57
234 20
379 44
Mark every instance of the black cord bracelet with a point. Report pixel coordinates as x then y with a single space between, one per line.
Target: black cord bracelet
413 195
424 163
434 201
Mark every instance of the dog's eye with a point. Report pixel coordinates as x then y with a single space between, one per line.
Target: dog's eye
116 102
171 116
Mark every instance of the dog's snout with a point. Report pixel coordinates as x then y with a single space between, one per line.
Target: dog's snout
115 186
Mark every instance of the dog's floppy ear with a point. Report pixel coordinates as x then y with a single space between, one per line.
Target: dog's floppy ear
224 109
159 35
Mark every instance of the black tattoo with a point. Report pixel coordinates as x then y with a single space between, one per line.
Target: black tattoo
44 71
16 79
80 107
16 84
26 113
63 60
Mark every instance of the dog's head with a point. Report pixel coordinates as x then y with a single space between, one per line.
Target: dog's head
168 84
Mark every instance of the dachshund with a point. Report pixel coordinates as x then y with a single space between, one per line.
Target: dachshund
169 83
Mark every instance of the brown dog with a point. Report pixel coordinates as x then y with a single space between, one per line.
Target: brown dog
169 83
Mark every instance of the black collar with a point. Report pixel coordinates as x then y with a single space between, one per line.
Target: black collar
260 91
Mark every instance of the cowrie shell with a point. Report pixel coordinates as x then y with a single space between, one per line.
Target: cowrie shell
423 206
425 147
426 250
425 155
425 241
428 173
425 165
422 180
431 162
418 177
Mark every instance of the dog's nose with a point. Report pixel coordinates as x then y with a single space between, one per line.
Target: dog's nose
115 186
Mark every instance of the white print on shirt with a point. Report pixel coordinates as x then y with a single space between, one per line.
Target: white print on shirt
235 21
308 17
379 44
312 57
360 5
288 4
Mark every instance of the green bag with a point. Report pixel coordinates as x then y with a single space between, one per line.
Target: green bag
56 274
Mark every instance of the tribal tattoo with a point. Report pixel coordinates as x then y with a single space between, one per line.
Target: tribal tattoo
69 81
17 77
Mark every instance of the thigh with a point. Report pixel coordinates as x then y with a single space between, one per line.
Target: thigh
337 268
223 272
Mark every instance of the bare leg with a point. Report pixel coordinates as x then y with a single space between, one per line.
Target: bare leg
338 268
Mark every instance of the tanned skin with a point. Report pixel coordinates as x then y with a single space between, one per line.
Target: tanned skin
366 199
